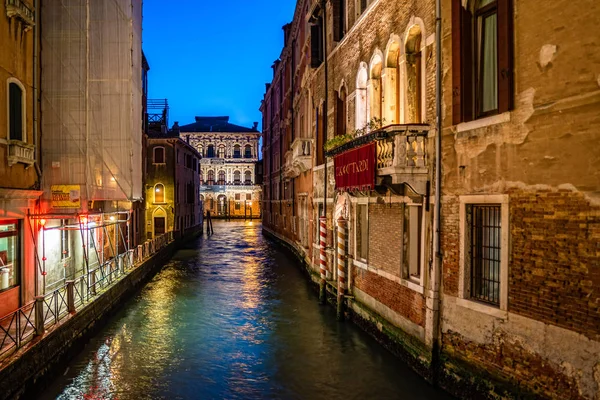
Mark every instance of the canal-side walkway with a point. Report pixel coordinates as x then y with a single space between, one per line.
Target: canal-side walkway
233 316
41 335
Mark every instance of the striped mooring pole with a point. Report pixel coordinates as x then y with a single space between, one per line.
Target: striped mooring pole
341 255
323 259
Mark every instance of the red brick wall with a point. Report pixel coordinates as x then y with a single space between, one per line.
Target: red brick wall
555 265
385 237
512 362
404 301
450 244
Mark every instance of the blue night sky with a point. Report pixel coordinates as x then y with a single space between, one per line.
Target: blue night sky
213 57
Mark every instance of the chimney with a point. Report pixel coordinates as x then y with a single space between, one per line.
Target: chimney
255 125
187 139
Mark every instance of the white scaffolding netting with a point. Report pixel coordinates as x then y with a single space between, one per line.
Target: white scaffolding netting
91 97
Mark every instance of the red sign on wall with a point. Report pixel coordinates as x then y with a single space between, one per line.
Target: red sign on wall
355 169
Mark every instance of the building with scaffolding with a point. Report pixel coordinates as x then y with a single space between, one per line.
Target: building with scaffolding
93 136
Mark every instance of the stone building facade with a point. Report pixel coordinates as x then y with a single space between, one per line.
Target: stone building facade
229 152
19 151
172 185
480 268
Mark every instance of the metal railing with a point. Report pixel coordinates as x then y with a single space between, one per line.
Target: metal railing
20 326
17 328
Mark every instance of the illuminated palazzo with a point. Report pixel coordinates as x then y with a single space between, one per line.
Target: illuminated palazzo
230 185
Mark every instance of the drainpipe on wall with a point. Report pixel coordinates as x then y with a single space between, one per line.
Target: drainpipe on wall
36 33
434 297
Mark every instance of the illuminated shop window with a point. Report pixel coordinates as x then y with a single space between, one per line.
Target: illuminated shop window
9 255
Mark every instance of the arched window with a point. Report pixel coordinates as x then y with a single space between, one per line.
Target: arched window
340 122
237 177
391 90
16 111
159 155
221 178
248 151
201 150
247 178
210 151
159 193
361 97
413 80
211 177
375 92
237 151
201 177
221 151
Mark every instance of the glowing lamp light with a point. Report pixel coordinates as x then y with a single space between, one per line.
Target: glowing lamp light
157 190
42 222
112 218
83 220
44 273
250 204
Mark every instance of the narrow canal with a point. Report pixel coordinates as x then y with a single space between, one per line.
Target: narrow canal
232 316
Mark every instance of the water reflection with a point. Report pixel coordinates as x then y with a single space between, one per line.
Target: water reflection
231 316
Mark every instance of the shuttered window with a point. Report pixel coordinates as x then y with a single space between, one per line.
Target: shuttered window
15 112
482 51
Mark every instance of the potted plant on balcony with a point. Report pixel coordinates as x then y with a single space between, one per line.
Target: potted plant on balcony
337 141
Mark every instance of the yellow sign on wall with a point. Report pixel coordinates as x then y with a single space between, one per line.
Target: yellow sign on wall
66 196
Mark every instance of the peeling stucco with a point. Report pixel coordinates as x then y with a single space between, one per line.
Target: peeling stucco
547 53
471 144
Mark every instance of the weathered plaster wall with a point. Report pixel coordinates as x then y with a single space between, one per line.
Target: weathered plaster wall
544 155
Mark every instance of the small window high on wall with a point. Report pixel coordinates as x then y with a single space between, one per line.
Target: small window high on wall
159 155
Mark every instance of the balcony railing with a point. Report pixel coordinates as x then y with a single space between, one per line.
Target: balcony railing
299 158
19 9
208 187
20 152
402 154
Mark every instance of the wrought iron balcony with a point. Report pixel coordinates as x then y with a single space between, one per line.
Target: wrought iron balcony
19 9
402 154
299 158
20 152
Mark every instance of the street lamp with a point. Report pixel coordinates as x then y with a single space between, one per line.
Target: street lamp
250 204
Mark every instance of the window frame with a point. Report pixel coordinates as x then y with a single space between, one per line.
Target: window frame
20 85
478 38
465 90
164 161
164 197
357 256
464 294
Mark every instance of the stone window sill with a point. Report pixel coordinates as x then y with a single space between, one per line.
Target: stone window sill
482 308
483 122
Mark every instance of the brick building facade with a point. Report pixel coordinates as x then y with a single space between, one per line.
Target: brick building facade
510 302
526 155
288 147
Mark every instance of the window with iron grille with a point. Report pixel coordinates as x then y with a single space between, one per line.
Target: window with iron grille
484 230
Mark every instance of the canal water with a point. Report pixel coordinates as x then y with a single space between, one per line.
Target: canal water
232 316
